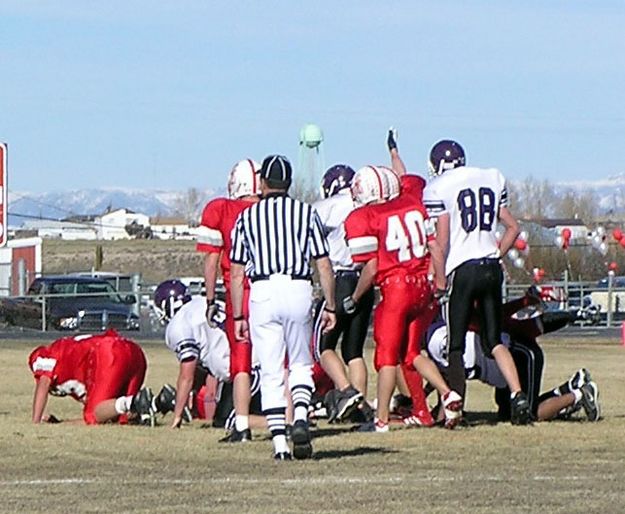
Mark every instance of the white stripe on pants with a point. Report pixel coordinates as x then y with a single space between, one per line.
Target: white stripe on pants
281 324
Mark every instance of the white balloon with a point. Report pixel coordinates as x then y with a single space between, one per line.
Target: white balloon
523 235
498 235
596 241
513 253
526 250
519 262
603 248
559 241
601 231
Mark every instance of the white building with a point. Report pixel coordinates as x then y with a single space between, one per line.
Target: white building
112 225
66 230
171 228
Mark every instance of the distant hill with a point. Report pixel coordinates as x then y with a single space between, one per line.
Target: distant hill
61 204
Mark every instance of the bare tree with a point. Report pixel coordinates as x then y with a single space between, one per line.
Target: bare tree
189 204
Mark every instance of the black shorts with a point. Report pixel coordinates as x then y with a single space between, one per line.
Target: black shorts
350 328
475 288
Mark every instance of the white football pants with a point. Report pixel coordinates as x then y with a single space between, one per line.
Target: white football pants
281 325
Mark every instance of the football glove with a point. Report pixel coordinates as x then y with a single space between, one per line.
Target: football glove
212 310
391 139
349 305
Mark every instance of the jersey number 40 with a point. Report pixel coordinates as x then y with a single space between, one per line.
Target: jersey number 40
474 211
406 235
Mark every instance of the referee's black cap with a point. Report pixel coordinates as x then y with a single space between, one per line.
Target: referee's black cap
277 171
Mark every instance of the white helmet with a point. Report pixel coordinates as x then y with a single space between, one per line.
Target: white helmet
394 185
370 184
244 179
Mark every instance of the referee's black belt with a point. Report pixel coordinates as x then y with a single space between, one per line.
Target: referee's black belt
347 272
256 278
484 261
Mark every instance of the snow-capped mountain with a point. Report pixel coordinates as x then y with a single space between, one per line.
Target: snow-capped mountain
57 205
610 191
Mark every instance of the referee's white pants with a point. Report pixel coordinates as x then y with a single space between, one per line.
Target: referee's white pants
281 325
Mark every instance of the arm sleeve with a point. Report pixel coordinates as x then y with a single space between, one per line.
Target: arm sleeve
434 202
361 240
209 237
319 242
238 252
504 202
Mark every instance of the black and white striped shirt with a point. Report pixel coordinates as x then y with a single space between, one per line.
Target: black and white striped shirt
278 235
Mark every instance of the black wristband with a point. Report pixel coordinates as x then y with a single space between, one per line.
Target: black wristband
331 311
238 318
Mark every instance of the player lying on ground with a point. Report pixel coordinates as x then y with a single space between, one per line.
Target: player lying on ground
520 332
104 372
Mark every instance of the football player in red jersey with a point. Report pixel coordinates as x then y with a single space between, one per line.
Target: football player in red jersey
214 239
103 371
396 241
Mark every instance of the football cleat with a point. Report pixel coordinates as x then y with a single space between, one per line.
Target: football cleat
520 412
579 378
590 401
165 401
377 426
330 401
452 404
141 405
300 437
282 456
422 418
237 436
346 402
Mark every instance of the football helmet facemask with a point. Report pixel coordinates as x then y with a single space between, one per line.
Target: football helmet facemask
244 179
370 184
445 155
169 296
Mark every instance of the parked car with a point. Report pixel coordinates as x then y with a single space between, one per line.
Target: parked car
71 303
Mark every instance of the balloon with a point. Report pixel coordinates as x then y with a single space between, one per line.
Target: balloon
613 266
519 262
541 272
559 241
526 250
498 235
617 234
520 244
596 241
600 230
566 233
622 242
523 235
513 253
603 248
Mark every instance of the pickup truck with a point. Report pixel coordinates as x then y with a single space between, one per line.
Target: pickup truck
71 303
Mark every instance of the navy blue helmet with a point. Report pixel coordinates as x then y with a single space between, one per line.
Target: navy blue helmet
445 155
337 178
169 296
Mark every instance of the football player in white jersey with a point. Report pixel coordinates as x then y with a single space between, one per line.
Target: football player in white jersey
468 203
351 327
196 345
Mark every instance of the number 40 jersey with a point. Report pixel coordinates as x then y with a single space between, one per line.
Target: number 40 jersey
395 232
472 198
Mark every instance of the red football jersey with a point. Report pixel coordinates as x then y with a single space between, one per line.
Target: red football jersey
66 363
412 185
214 235
396 232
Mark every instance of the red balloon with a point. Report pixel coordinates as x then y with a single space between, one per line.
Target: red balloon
613 266
617 234
566 233
519 244
541 272
622 242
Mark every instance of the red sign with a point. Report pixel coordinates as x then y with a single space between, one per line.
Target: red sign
4 206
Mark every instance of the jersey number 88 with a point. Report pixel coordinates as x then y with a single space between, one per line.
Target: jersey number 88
472 211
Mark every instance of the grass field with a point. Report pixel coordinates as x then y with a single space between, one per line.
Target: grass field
549 467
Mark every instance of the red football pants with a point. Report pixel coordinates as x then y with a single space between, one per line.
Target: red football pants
240 351
116 368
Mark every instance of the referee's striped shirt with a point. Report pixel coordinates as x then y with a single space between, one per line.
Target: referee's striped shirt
278 235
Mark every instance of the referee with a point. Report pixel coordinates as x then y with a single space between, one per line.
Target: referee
275 240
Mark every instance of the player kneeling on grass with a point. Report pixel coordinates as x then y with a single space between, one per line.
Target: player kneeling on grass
203 353
104 372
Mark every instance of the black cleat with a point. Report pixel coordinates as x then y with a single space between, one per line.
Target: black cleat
236 436
520 413
282 456
330 401
346 402
141 405
300 436
590 401
165 401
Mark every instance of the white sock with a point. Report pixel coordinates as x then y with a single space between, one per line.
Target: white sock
300 412
122 404
578 395
279 444
241 422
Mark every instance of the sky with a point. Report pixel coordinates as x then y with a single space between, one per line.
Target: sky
170 94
